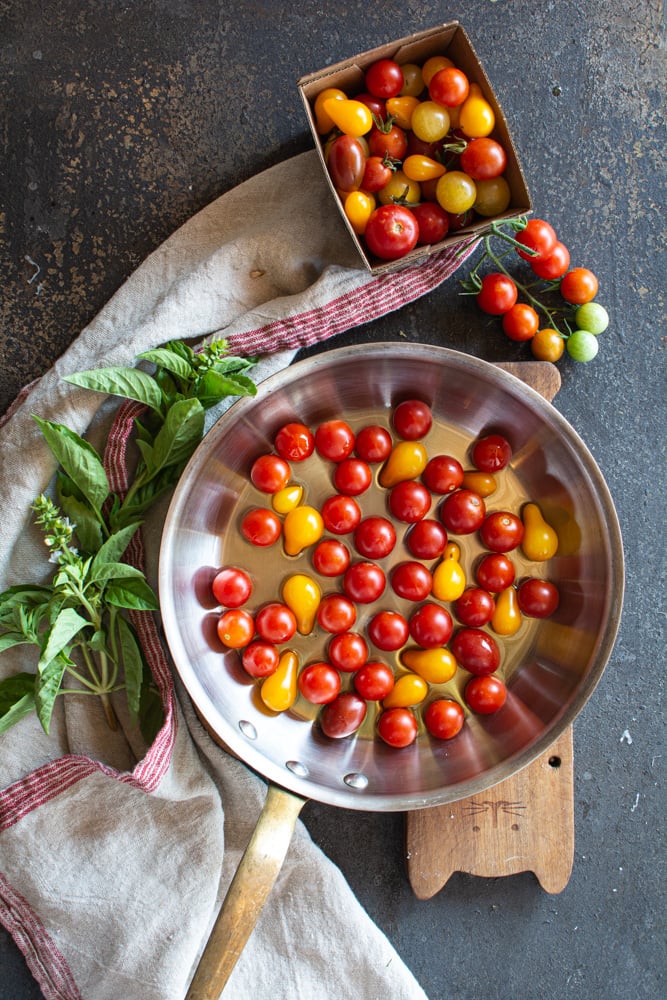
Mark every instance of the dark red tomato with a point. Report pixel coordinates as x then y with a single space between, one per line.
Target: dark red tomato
294 442
521 322
475 607
340 514
236 628
430 626
260 659
397 727
463 512
377 173
346 163
334 440
495 572
390 141
443 474
352 476
409 501
330 557
419 147
373 444
412 419
539 237
375 105
231 587
459 220
444 718
411 580
491 453
388 630
343 716
348 651
501 531
537 598
275 622
374 681
336 614
319 683
374 537
261 527
475 651
391 232
483 159
485 695
433 222
497 294
384 78
554 266
270 473
449 87
364 582
426 539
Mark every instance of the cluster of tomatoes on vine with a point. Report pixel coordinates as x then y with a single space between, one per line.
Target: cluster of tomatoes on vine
573 324
412 157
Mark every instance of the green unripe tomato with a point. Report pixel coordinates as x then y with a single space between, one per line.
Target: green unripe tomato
592 317
582 345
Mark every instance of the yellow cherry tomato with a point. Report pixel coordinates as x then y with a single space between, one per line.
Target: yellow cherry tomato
506 619
437 666
433 66
477 118
422 168
287 499
279 690
413 81
350 116
407 460
401 108
323 122
540 541
302 596
456 192
449 579
400 186
408 690
482 483
547 345
303 526
430 121
359 206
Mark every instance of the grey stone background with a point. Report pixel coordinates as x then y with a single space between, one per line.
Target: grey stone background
120 120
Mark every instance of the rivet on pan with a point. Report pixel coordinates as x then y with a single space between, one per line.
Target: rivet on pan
358 781
248 729
296 767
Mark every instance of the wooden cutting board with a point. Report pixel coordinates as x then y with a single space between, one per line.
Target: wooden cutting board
526 823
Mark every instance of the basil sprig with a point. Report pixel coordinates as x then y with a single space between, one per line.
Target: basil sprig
86 643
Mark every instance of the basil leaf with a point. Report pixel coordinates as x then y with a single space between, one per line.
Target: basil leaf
79 460
133 594
138 503
87 527
17 699
174 363
214 386
133 665
26 595
130 383
112 550
10 639
116 571
66 626
47 686
151 711
179 436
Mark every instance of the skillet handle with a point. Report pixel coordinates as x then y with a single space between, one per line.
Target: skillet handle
250 887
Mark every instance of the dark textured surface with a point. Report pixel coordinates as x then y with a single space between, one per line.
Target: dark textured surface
119 121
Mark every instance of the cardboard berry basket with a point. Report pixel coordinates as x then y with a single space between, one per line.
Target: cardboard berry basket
448 40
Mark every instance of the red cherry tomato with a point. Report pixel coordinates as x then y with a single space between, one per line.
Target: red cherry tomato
319 683
412 419
409 501
485 695
501 531
388 630
343 716
391 232
521 322
374 681
260 659
373 444
235 628
476 651
374 537
444 718
261 527
449 87
397 727
376 106
491 453
579 286
443 474
537 598
384 78
377 174
346 162
463 512
483 159
330 557
231 587
495 572
348 651
270 473
334 440
554 266
294 442
364 582
539 237
430 626
352 476
336 614
475 607
391 142
340 514
426 539
412 581
433 222
275 622
497 294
